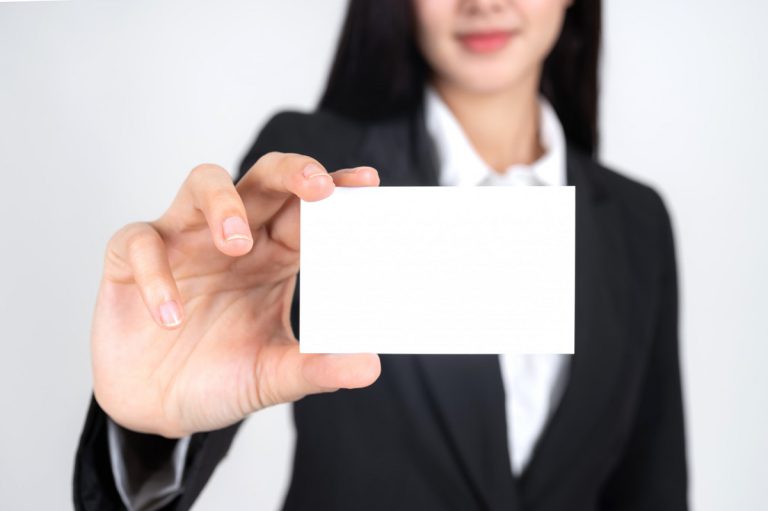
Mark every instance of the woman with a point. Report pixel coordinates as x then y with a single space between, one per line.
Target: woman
196 314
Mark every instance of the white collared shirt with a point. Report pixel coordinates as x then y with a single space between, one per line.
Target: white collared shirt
533 384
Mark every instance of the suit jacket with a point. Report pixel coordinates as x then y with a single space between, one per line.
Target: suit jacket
431 432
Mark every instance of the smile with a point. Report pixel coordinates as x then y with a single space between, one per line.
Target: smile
485 42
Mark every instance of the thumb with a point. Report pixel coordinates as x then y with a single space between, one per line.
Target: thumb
348 371
287 375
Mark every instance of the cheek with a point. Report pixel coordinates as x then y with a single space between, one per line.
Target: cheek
544 19
435 20
433 17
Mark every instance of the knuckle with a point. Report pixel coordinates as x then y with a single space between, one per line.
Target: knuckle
272 168
277 162
221 198
123 235
269 159
300 160
153 286
204 171
140 242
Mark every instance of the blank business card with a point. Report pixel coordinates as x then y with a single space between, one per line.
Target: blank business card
438 270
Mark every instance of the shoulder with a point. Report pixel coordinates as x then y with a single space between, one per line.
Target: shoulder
321 134
638 200
319 124
640 209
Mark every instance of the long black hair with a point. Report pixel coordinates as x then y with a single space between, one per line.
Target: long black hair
379 70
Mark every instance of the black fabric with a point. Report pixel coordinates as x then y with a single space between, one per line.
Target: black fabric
431 432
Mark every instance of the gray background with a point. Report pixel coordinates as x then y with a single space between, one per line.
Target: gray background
105 107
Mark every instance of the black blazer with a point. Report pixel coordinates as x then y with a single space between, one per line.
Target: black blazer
430 434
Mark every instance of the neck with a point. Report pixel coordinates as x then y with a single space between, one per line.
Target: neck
503 127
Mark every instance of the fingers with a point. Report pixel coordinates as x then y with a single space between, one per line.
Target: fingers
267 196
276 177
208 196
285 226
356 176
137 252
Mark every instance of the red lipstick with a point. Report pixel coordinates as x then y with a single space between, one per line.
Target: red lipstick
485 42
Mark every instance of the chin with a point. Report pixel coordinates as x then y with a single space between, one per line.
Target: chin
486 81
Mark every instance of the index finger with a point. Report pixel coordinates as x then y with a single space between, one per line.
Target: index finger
275 177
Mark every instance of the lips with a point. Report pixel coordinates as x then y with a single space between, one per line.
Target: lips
485 42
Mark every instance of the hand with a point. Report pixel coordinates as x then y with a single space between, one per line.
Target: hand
191 327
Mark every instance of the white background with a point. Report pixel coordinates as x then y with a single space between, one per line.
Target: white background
105 106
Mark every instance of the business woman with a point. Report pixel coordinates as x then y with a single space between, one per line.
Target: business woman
196 322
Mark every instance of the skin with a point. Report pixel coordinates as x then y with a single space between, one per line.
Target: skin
191 327
493 95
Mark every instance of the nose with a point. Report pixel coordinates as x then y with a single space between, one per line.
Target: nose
481 7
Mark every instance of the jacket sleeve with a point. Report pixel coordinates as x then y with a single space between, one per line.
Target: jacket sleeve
652 473
94 484
142 487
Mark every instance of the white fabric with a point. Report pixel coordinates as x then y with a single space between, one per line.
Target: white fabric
533 384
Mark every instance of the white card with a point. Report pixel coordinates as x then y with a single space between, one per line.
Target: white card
438 270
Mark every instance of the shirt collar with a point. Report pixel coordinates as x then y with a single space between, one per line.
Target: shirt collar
459 163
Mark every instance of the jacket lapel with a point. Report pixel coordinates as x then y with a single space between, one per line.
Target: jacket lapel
468 395
601 284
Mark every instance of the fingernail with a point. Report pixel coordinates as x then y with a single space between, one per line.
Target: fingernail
235 228
314 170
170 314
